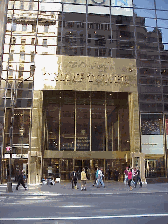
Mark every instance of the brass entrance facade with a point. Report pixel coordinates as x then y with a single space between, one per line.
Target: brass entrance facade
89 111
84 121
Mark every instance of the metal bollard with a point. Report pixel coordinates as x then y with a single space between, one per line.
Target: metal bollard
9 187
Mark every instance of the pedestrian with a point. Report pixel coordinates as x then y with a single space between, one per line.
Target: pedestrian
83 180
126 176
109 174
129 179
21 180
96 176
74 179
100 178
138 177
116 173
134 174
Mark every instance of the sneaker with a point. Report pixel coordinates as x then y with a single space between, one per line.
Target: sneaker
25 188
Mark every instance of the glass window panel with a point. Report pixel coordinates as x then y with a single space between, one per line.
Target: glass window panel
150 24
162 15
46 50
124 128
99 2
26 85
52 114
144 13
82 121
68 120
50 7
98 10
144 4
98 121
155 167
163 37
75 1
165 48
24 103
125 11
148 55
7 120
24 94
152 124
110 126
75 8
161 4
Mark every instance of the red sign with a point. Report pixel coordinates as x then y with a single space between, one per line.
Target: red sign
8 148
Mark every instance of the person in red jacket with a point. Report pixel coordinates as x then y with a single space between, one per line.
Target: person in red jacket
130 178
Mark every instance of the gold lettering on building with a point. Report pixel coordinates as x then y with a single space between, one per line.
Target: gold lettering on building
105 78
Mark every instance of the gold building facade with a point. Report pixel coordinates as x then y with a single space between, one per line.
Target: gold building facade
86 114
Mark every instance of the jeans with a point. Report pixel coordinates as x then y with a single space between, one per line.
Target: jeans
126 179
135 180
100 181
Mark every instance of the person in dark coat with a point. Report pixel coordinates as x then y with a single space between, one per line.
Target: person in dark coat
116 174
138 176
21 180
74 179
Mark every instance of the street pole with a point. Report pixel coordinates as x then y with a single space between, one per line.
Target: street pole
13 100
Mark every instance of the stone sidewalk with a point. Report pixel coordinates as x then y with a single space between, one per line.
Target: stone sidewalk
64 188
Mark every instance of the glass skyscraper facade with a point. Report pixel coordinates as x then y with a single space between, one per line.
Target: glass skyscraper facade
84 83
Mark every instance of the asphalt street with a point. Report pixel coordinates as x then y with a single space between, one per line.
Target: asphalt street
116 208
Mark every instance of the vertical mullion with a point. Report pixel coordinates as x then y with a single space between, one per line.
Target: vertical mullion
90 124
75 124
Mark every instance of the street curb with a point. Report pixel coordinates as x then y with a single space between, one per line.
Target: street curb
81 194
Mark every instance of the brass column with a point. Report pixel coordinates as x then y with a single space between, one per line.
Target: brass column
35 154
106 129
75 124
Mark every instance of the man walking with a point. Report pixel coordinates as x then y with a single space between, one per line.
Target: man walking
96 176
74 179
134 174
21 180
138 176
100 178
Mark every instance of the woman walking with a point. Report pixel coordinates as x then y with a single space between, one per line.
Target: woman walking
130 179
